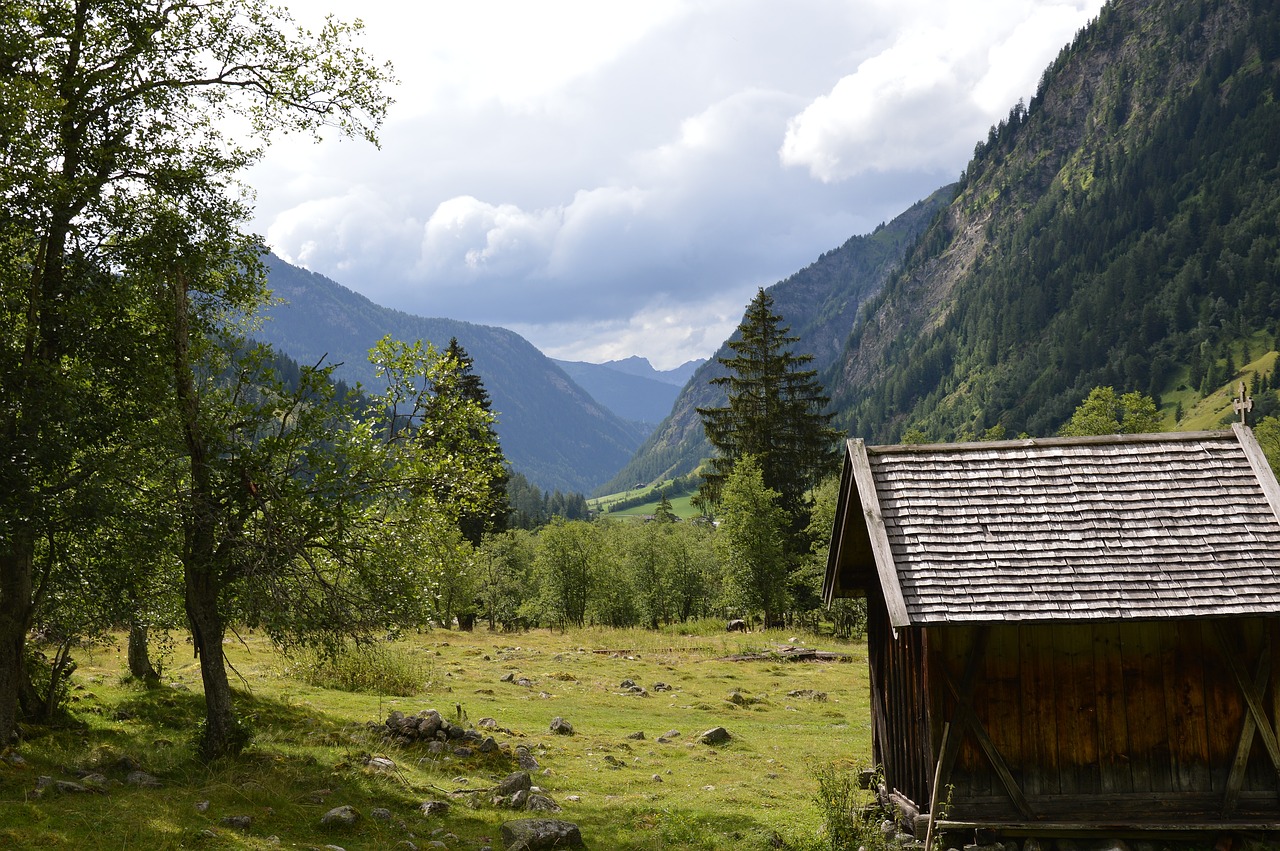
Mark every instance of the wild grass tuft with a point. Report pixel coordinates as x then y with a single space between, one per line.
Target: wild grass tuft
365 668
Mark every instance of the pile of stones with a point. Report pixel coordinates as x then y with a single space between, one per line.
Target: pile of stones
437 732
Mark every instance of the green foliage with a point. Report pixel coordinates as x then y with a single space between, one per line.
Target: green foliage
774 414
369 667
751 539
845 826
1102 412
1267 432
1120 232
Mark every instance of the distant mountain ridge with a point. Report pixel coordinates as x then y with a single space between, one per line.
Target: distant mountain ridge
819 303
631 388
551 429
1123 228
636 365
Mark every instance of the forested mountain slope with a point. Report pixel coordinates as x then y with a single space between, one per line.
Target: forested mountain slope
819 303
1123 229
551 430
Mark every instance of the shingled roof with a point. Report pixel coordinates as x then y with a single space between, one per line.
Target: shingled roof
1120 527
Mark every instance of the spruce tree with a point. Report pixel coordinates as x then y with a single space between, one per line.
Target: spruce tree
775 413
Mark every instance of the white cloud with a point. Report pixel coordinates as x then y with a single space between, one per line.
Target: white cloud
925 99
597 175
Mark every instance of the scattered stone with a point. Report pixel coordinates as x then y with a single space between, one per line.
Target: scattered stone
381 763
573 799
406 845
657 778
96 782
818 696
538 834
524 681
15 760
561 727
512 783
463 752
525 759
141 778
518 799
380 814
671 734
715 736
638 691
488 723
638 735
344 816
433 808
202 806
625 684
614 761
236 822
662 687
541 803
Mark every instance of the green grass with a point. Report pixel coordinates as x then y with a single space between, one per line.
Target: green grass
313 744
680 506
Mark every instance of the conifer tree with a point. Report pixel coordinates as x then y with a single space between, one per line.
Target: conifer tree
775 413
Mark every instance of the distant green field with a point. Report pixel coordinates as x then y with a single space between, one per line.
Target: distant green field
607 505
679 506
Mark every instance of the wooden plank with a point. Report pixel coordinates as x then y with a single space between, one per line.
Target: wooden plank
964 716
1144 708
1235 777
1039 712
1082 695
1224 711
1252 697
880 549
999 699
935 794
1113 731
1261 469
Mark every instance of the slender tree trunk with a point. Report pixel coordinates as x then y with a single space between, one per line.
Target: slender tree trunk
207 631
202 578
139 656
16 611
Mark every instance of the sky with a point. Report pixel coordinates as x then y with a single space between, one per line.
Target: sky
611 179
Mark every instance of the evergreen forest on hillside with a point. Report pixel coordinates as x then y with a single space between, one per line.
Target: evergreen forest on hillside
1145 256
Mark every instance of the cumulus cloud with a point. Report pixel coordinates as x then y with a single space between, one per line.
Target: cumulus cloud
925 98
633 189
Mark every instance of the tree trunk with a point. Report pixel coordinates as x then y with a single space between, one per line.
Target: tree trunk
207 631
139 656
16 610
202 579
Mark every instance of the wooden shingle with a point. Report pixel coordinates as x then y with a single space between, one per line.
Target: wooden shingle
1135 527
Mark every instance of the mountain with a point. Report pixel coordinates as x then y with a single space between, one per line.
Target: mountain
630 395
1123 228
551 429
819 303
636 365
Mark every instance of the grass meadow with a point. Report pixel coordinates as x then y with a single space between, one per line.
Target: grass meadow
313 745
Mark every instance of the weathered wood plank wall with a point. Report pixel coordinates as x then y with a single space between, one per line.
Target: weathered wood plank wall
1129 719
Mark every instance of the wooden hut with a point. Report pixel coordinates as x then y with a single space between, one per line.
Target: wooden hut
1070 634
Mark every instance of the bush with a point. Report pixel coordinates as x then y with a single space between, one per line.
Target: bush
368 668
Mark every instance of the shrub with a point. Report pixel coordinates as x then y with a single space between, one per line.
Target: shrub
368 668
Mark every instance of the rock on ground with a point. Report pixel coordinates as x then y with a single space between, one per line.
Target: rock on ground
537 834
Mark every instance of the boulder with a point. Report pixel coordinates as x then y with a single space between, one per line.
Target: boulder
561 727
535 834
715 736
344 816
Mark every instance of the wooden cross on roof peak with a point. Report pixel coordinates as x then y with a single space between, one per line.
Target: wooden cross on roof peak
1243 404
